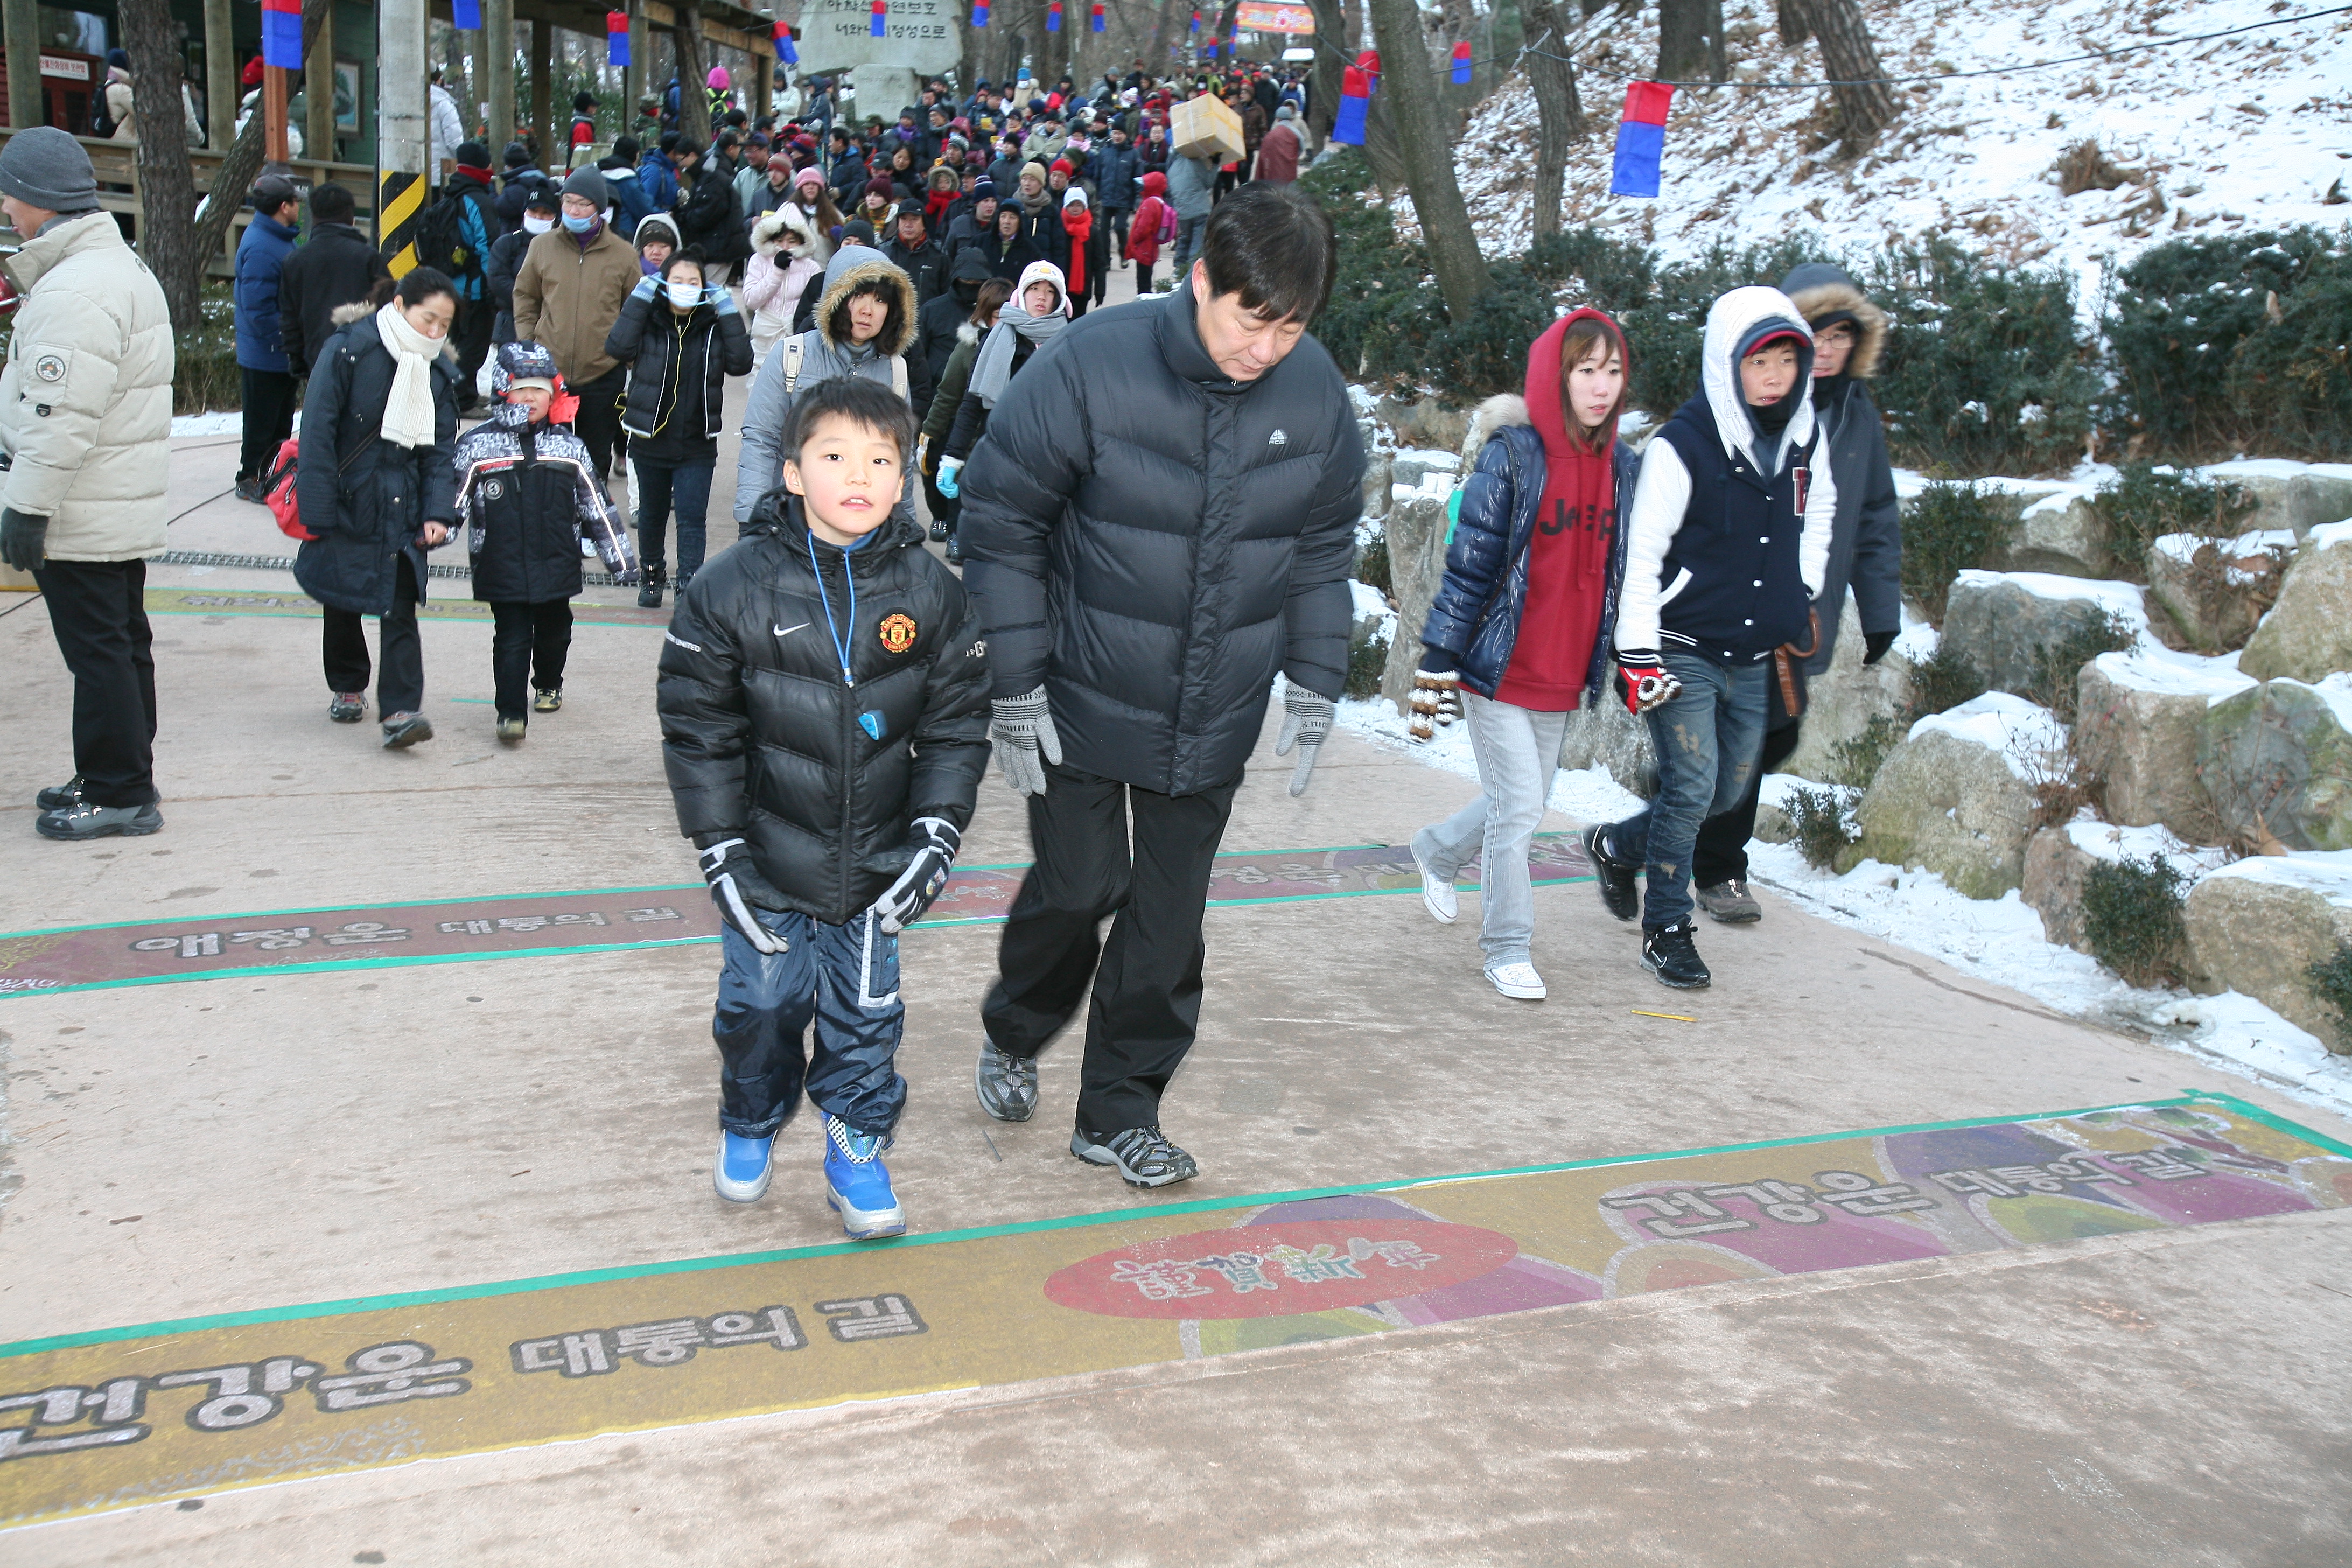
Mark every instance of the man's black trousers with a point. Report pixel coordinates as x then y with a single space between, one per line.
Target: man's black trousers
1147 985
1721 855
97 610
268 419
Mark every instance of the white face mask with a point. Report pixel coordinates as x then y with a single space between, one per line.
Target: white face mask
537 225
684 296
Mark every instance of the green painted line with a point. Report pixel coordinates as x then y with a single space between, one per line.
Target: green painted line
394 961
1029 1228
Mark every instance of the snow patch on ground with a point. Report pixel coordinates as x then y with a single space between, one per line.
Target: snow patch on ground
2120 599
1998 941
229 424
2110 842
2335 690
2328 872
2183 547
2329 534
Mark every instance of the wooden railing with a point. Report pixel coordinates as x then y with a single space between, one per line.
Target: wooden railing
116 164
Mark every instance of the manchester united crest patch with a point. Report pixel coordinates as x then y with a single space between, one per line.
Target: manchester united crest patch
897 632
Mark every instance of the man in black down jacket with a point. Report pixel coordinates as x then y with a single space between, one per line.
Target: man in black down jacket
1161 517
337 265
1865 553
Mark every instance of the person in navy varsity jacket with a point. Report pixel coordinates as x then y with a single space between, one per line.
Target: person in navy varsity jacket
1726 544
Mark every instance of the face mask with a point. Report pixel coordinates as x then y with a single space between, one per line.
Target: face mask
537 225
684 296
578 225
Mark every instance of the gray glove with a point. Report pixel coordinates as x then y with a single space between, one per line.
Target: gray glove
737 888
24 539
935 842
1021 731
1305 723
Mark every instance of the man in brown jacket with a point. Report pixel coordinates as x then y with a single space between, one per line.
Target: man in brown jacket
573 281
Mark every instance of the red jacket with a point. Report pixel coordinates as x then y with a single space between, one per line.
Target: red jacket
1143 228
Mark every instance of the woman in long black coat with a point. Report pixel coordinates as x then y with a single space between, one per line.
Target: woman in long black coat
377 488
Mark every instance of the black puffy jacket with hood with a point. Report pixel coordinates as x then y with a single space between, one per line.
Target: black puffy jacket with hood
1866 540
1151 541
762 739
936 324
367 499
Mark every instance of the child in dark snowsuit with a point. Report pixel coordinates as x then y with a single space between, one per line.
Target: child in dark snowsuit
527 500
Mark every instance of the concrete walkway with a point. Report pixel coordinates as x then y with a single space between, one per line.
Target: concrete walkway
252 1143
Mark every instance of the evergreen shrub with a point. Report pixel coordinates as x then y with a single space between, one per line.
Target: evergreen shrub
2131 918
1948 529
2234 343
2058 668
2331 985
1823 825
1366 661
2146 503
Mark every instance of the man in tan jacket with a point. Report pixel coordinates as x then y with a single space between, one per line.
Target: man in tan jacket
574 280
86 425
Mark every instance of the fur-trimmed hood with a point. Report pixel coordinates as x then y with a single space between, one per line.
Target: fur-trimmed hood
768 235
968 332
1820 291
1502 409
852 267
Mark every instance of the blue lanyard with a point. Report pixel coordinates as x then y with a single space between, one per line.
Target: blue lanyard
840 643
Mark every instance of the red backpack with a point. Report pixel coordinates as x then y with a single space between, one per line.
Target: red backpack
278 491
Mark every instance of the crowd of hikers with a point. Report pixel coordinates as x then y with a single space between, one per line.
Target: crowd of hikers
1154 509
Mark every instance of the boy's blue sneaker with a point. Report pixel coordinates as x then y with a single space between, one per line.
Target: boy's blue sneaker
857 1184
742 1169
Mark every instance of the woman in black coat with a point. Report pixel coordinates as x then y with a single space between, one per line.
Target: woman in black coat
681 340
1006 247
377 488
709 217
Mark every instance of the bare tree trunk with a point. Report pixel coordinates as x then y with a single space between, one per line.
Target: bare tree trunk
1560 116
1690 40
167 185
1848 56
1323 86
1793 23
693 95
1412 91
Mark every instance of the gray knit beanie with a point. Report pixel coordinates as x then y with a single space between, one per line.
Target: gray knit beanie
588 182
46 167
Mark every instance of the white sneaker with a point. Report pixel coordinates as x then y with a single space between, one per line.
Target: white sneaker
1437 895
1518 981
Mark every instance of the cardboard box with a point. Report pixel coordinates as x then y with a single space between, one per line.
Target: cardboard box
1205 128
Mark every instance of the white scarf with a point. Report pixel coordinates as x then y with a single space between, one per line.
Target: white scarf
408 419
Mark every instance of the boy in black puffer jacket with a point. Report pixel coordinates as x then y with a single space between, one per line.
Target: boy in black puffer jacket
527 498
823 702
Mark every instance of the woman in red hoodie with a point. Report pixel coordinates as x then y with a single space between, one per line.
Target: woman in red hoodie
1519 631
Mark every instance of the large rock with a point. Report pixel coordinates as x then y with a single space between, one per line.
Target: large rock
2216 590
2062 532
2138 718
2053 885
1603 735
1427 423
2297 496
1953 797
1416 534
1841 700
2308 633
2001 621
2258 925
2277 762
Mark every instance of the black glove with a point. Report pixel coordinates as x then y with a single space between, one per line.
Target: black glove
737 888
1875 646
24 539
935 842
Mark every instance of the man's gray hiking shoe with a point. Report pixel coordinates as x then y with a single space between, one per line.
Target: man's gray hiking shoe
1143 1155
1007 1086
90 820
1731 902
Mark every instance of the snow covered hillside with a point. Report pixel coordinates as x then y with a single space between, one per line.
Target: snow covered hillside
2251 132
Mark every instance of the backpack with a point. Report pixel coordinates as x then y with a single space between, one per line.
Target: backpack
441 238
101 125
793 372
277 490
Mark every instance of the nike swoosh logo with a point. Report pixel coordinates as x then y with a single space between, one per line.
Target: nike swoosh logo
787 631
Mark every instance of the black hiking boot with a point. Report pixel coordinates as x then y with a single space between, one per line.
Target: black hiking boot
649 597
1673 957
1619 896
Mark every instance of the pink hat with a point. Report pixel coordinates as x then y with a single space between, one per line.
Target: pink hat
719 79
808 176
